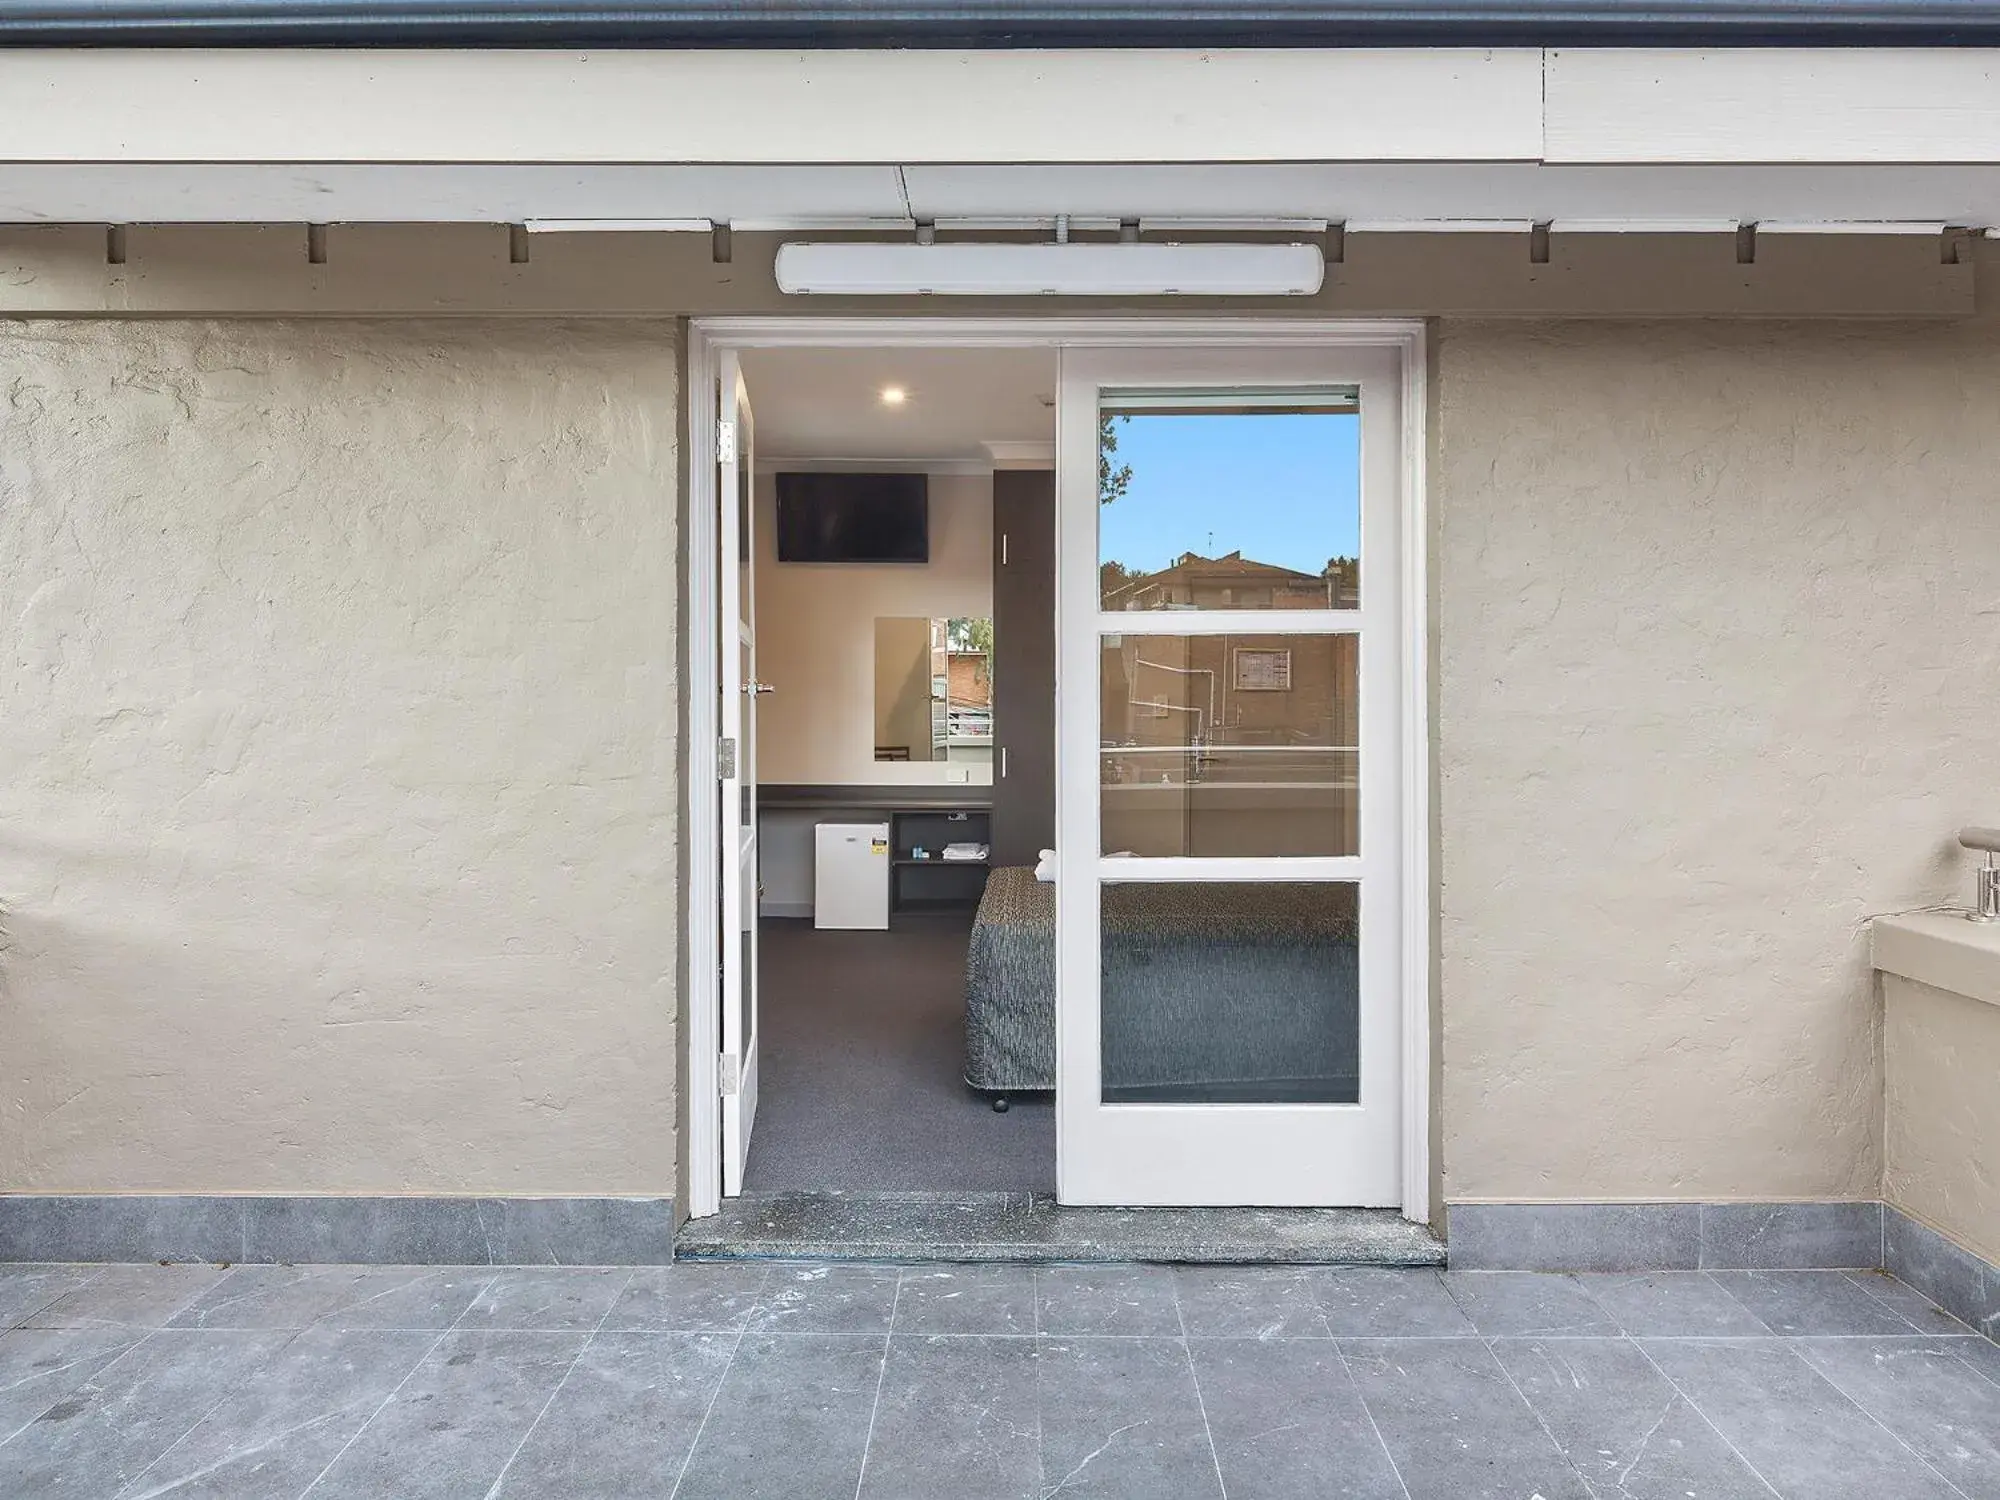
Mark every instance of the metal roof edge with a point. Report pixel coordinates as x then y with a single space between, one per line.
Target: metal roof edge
997 23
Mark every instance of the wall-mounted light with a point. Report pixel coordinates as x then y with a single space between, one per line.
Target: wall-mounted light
958 269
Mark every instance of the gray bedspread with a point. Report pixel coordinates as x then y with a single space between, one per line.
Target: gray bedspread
1211 990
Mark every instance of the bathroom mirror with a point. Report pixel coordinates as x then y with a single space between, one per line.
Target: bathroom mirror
934 690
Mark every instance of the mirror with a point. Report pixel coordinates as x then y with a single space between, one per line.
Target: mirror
934 690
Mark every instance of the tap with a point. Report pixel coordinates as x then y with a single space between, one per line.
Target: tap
1986 901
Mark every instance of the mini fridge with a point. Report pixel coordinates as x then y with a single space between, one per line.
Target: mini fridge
851 875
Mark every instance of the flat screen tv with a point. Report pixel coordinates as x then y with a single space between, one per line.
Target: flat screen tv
854 518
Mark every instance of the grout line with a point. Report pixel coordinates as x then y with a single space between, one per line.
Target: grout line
1535 1412
1035 1354
568 1370
292 1336
1841 1391
720 1381
421 1360
1695 1407
881 1376
1723 1287
1373 1426
63 1296
1860 1280
1201 1404
96 1374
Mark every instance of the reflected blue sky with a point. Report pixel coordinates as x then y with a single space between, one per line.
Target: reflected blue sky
1281 488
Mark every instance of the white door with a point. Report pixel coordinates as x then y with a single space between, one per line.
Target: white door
1228 794
737 725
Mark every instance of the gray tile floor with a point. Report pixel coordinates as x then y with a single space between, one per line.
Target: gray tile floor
744 1380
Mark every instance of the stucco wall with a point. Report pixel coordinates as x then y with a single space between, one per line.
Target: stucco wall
337 794
1943 1111
1718 634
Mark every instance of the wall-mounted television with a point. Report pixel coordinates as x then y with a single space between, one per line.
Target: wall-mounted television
854 518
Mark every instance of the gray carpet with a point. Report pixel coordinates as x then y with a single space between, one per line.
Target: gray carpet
862 1081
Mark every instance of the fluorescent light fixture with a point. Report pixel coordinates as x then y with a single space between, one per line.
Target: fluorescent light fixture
859 269
617 226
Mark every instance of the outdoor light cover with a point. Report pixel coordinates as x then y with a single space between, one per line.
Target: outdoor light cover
862 269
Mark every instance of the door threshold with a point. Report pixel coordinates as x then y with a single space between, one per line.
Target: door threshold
1030 1228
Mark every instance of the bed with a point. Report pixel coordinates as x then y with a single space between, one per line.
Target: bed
1278 959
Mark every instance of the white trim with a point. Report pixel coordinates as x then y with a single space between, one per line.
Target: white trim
701 1008
1230 622
618 226
1413 635
777 461
1010 454
707 336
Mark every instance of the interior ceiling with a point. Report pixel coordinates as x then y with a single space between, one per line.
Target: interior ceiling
826 404
749 196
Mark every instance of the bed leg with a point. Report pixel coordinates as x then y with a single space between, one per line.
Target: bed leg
1000 1105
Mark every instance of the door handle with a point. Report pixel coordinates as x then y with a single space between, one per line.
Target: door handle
756 689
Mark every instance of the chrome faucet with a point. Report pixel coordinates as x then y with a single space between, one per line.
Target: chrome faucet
1986 901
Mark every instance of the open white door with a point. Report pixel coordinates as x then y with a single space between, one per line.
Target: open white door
736 717
1229 775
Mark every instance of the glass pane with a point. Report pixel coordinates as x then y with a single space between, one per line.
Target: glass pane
1230 745
1243 501
1221 993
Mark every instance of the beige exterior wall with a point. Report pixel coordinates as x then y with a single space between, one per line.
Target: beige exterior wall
1716 650
337 789
1943 1111
338 836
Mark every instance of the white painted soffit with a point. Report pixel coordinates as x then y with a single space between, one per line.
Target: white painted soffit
1270 200
939 107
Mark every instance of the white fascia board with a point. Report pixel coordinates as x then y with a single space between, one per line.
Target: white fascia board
1779 105
366 105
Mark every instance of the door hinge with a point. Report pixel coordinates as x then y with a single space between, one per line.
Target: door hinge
728 1074
725 441
725 759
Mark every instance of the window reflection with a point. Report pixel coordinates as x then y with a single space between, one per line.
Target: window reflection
1229 745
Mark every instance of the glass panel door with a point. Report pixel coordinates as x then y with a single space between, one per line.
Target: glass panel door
1228 767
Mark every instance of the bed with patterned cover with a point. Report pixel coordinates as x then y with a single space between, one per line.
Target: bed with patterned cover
1279 959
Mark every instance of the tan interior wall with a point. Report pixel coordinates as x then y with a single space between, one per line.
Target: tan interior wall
1716 652
1943 1111
337 791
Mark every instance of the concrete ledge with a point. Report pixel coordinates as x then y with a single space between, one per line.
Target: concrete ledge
1942 951
340 1230
1664 1236
1032 1228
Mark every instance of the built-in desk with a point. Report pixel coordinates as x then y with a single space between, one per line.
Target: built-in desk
919 817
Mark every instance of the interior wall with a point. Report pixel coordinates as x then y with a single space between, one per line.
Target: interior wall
338 788
816 638
1715 657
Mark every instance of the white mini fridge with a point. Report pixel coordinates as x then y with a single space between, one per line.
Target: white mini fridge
851 875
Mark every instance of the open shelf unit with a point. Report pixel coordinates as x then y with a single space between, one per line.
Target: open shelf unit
933 883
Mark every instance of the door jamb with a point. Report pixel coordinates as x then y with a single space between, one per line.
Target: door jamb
700 1017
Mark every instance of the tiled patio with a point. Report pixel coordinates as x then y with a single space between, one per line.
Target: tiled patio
743 1380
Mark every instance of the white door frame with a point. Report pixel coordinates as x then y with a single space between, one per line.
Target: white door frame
701 1013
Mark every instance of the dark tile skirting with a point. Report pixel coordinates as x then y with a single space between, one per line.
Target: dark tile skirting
1963 1284
1665 1236
362 1231
1727 1237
